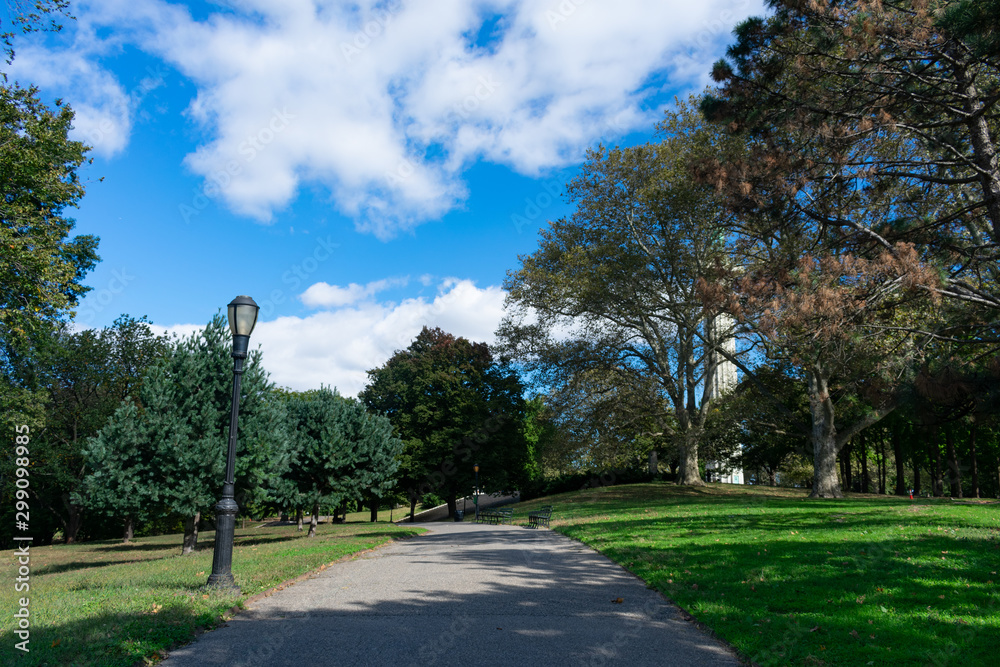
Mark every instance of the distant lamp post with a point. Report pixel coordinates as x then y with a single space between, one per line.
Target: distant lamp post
475 500
242 318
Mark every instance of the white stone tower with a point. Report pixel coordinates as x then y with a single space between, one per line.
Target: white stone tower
721 330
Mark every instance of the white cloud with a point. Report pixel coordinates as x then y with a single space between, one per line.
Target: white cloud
333 296
104 111
336 347
385 108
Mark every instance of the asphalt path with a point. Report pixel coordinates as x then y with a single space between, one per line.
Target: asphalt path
462 594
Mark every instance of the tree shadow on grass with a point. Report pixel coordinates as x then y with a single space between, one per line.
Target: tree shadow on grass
206 543
399 621
904 599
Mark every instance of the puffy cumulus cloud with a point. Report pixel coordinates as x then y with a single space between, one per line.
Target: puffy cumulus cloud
325 295
104 110
386 103
336 347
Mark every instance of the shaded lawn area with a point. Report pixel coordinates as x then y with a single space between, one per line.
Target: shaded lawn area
868 580
108 603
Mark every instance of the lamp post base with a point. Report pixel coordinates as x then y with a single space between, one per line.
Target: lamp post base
223 582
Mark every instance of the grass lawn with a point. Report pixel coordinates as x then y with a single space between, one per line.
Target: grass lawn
869 580
108 603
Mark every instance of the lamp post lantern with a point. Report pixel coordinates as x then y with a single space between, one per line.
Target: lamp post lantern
242 318
475 500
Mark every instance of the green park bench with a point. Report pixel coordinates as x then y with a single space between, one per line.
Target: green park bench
540 517
496 516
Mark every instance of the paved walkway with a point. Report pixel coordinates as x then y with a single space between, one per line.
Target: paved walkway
462 594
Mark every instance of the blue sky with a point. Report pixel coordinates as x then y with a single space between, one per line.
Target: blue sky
361 169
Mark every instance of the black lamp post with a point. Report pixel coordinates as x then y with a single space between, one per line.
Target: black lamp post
475 500
242 318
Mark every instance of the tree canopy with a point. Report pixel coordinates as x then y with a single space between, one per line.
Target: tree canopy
452 405
616 288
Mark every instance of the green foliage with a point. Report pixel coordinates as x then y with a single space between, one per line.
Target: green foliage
338 451
540 434
83 377
123 482
763 422
28 17
172 437
610 311
453 406
41 269
976 23
868 192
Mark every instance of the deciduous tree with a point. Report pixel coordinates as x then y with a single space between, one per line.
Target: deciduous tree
453 405
615 287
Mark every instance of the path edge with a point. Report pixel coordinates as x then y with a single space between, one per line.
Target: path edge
243 605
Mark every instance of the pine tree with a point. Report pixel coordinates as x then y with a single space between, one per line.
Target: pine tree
339 452
122 483
181 428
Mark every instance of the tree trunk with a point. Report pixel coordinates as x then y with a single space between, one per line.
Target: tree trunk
825 482
298 518
75 519
934 465
452 504
954 474
373 507
653 464
129 529
824 438
863 452
413 507
314 520
190 534
897 453
771 481
984 153
689 473
882 464
847 456
973 456
996 472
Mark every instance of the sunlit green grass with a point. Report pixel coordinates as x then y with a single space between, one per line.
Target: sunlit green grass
867 580
107 603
